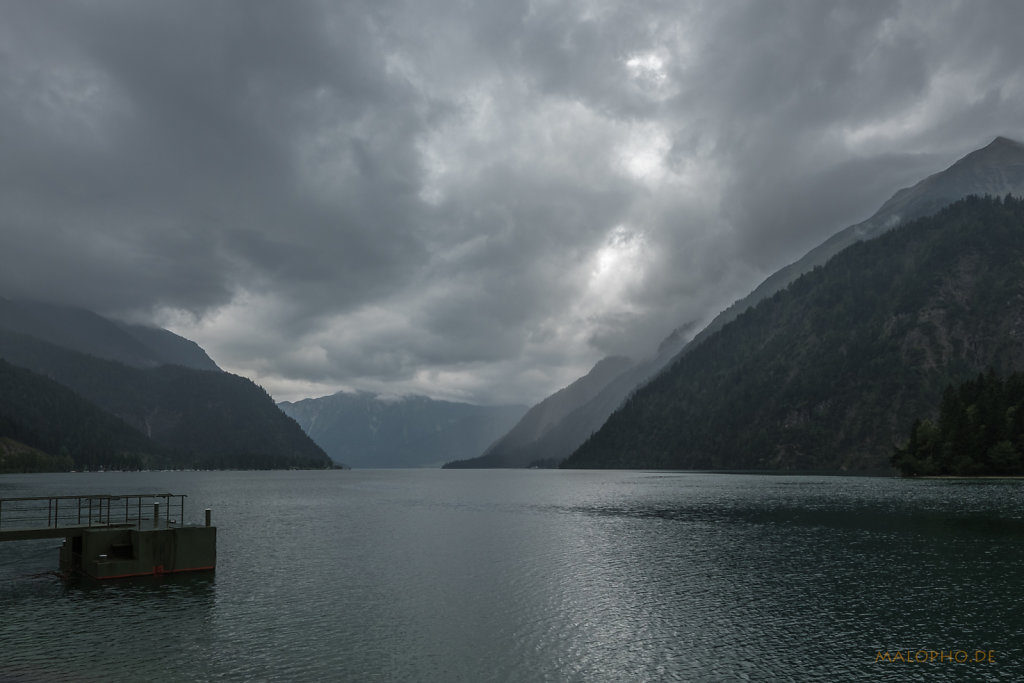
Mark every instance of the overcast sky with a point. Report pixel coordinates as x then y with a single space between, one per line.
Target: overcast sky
469 200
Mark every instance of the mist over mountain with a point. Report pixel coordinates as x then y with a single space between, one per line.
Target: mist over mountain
522 445
154 368
81 330
362 429
996 169
829 373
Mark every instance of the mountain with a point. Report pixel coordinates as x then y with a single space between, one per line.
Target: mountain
519 447
363 429
168 348
830 373
996 169
186 416
82 330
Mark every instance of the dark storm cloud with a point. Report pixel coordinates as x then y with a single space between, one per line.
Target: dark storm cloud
198 115
805 82
469 201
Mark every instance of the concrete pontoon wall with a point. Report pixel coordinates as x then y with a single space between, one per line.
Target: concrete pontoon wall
120 552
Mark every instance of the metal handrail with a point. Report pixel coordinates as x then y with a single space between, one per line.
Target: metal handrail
96 509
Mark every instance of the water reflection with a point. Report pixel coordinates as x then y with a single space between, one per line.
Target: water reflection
761 583
543 576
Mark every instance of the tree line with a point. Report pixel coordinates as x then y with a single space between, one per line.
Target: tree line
979 431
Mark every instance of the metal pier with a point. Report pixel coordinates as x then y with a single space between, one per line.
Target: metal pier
67 516
108 536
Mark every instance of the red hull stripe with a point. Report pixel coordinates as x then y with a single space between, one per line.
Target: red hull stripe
152 573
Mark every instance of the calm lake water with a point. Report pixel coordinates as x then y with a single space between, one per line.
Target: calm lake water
519 575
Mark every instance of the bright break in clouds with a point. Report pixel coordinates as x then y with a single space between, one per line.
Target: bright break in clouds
472 201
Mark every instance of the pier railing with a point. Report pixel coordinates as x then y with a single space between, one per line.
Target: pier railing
97 510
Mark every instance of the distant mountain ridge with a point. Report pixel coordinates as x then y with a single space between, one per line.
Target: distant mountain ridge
520 446
997 169
363 429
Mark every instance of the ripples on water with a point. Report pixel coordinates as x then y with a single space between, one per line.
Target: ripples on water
537 576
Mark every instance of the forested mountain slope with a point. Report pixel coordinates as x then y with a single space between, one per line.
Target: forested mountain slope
200 418
44 426
829 373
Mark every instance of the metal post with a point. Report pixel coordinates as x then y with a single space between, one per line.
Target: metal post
156 515
207 516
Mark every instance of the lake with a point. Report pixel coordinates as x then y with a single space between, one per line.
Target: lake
539 575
